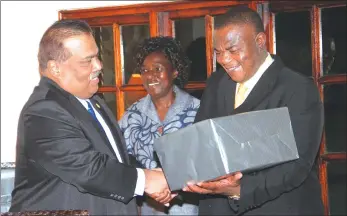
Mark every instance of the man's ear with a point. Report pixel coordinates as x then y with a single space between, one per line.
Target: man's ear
53 68
261 40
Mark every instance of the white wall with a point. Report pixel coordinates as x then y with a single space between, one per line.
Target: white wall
22 26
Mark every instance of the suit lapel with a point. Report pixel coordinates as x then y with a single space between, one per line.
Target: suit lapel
89 122
261 90
93 131
109 118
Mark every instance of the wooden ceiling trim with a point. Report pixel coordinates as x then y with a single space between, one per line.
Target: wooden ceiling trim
144 8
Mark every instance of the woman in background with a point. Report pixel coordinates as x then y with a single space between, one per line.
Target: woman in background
166 108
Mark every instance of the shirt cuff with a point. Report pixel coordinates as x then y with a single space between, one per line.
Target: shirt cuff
140 184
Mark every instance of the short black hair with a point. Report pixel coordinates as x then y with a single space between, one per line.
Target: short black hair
173 51
51 44
240 14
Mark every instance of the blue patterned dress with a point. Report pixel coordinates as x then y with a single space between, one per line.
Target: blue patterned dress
140 125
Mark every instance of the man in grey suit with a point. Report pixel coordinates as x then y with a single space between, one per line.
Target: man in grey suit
70 151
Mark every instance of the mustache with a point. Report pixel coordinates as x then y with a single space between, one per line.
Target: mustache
95 74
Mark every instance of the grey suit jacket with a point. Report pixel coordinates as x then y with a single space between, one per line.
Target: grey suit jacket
64 159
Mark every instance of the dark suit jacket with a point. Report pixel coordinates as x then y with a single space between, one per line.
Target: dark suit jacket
288 189
64 159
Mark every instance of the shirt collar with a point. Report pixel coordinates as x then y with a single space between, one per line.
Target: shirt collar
261 70
83 102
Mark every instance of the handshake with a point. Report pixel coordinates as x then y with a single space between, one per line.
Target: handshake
156 186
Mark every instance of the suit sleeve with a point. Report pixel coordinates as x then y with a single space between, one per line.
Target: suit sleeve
306 113
57 144
202 112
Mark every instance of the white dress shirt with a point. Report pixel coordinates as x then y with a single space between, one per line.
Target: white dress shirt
140 184
254 79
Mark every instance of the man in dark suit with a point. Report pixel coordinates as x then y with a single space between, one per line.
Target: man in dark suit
251 79
70 151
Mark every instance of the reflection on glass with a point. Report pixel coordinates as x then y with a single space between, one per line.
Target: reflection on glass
337 187
196 93
335 117
293 40
334 40
104 40
131 97
132 36
191 34
110 99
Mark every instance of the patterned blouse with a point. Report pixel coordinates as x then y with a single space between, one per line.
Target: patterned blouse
141 124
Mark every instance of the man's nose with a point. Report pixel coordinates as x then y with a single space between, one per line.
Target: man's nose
97 64
225 58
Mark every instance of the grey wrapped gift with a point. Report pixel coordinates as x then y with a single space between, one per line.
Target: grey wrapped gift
211 148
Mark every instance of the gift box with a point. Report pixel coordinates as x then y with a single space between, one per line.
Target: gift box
211 148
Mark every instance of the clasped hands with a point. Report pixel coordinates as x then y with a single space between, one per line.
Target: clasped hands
157 187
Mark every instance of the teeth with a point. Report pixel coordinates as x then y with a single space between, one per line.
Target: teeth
151 84
94 75
233 68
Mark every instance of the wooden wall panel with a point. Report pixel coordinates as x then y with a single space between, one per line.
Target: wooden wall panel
164 24
153 24
333 79
121 20
209 27
277 6
118 69
146 8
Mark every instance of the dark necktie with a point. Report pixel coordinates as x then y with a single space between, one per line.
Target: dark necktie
92 113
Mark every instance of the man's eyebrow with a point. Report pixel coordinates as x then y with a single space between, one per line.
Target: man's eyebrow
91 56
228 46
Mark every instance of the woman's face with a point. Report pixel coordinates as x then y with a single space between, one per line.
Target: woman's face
157 75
